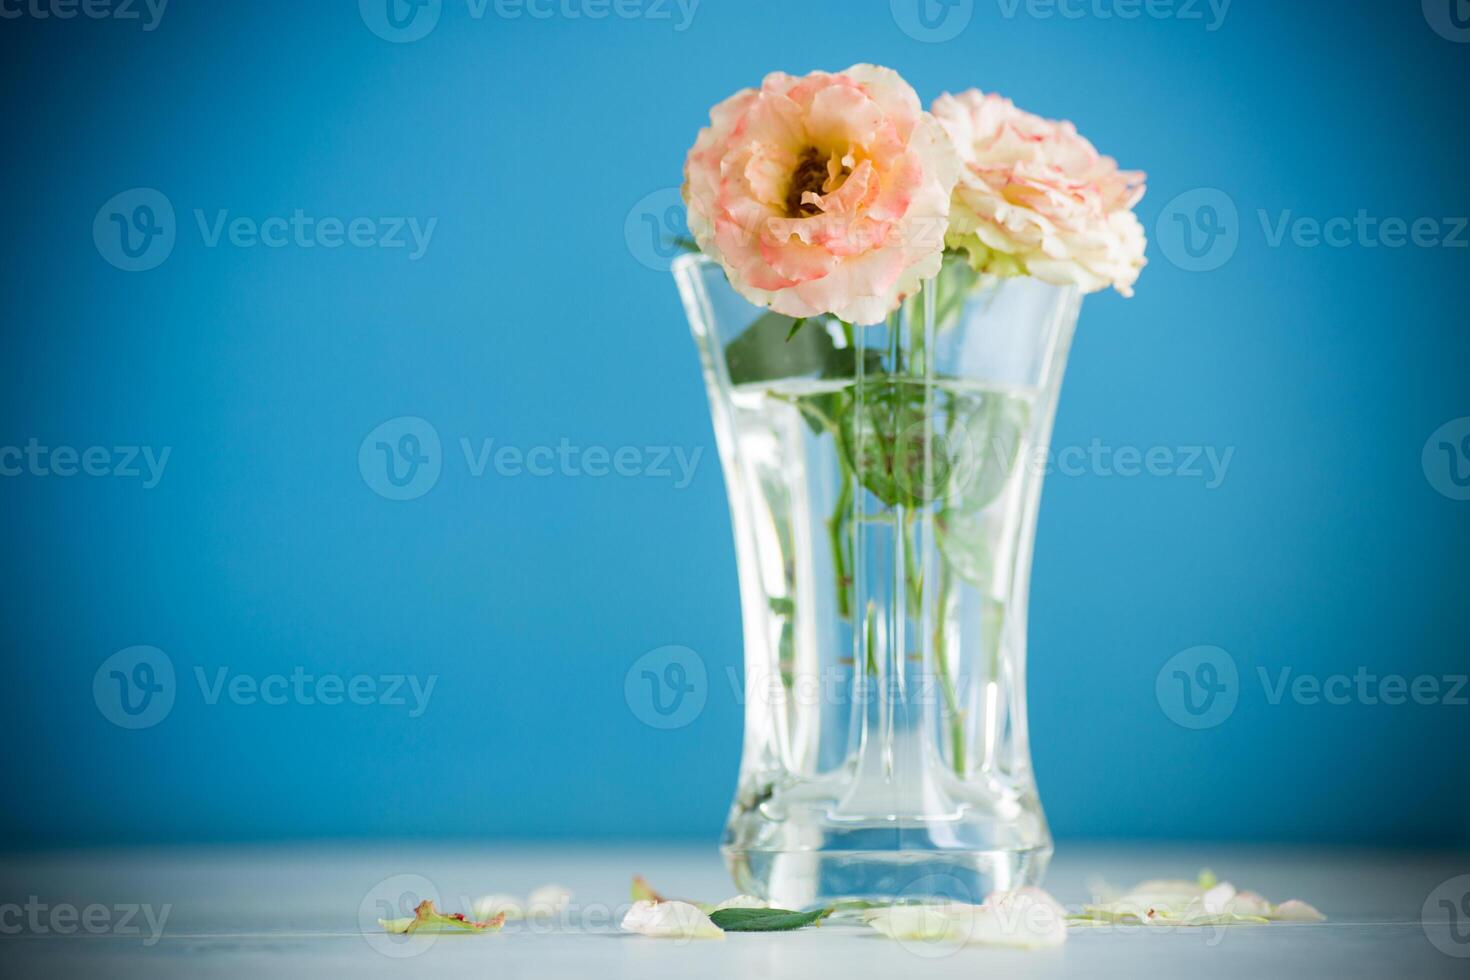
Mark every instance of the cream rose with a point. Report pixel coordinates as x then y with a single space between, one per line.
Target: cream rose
1035 198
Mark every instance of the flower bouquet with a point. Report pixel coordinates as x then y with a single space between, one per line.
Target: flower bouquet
883 302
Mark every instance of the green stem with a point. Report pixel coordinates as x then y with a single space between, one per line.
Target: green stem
946 676
837 528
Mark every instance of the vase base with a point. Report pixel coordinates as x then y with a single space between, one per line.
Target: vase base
807 879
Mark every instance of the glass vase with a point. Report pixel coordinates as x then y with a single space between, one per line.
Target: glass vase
883 484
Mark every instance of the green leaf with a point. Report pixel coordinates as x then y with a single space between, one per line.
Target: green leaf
772 347
766 920
886 436
987 437
795 326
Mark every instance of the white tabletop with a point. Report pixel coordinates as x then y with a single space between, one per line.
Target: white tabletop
287 912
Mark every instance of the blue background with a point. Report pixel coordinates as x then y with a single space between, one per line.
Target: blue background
530 318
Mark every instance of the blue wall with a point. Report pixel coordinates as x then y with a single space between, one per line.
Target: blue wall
1332 544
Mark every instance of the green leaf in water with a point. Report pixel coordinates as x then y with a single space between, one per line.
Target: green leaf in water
774 347
991 427
896 441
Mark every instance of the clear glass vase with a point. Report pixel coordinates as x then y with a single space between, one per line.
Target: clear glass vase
883 486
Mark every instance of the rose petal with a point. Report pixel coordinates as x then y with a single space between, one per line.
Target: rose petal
548 900
1203 902
487 906
1027 918
1296 910
670 920
427 919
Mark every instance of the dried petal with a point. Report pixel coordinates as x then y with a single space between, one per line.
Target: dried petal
426 919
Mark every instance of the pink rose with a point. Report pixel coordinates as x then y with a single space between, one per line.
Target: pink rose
823 194
1035 198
